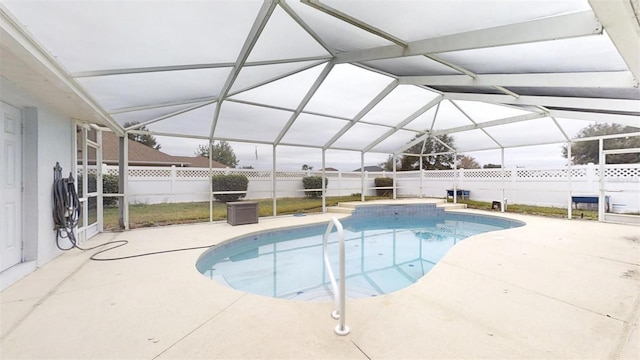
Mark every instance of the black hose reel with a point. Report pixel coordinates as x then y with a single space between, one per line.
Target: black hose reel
66 207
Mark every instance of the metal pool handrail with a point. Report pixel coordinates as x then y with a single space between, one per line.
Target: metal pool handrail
338 293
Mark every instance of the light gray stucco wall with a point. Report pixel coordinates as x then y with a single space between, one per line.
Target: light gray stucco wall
54 145
47 139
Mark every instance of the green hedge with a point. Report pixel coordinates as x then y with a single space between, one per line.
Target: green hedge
314 182
109 186
384 182
232 182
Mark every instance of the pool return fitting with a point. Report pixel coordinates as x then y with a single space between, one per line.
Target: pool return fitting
338 292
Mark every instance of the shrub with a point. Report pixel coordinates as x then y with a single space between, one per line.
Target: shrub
314 182
233 182
384 182
109 186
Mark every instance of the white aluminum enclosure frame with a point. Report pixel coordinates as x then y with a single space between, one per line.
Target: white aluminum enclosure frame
436 62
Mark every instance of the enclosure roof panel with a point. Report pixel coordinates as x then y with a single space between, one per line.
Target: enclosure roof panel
331 74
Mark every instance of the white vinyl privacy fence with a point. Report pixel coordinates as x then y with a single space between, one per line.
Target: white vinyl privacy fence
532 186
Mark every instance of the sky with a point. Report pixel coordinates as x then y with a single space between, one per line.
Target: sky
292 158
120 40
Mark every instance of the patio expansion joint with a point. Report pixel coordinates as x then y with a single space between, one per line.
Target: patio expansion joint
199 326
627 330
623 321
360 349
44 298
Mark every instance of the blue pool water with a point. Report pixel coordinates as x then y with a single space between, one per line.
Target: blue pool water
387 248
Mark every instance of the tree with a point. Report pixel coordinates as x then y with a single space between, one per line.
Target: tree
584 152
307 167
202 150
468 162
222 152
388 165
431 146
146 139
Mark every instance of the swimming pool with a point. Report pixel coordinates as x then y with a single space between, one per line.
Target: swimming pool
387 248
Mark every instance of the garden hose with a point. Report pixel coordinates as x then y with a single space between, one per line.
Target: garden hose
66 209
66 216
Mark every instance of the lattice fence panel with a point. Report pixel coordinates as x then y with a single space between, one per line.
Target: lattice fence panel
294 175
484 174
219 172
619 173
542 174
194 173
149 173
578 173
256 174
440 174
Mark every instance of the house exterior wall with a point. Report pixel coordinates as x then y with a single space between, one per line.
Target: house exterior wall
47 139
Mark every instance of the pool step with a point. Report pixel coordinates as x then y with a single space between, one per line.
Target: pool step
338 209
347 208
452 206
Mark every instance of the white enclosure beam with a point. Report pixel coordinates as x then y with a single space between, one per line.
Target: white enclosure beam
141 70
427 155
316 85
622 25
211 98
451 65
605 137
253 103
415 141
400 44
552 28
208 99
492 123
622 151
552 101
386 91
258 25
306 27
629 120
475 123
12 28
444 144
351 20
409 119
606 79
564 133
160 118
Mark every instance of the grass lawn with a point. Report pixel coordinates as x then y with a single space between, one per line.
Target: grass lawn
534 210
141 215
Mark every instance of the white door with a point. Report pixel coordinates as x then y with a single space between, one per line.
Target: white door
10 186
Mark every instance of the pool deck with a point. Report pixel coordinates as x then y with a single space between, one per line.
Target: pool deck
552 289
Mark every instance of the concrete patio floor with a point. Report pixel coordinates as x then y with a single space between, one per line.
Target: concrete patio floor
551 289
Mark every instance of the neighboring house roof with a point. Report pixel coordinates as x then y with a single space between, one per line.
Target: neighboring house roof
371 168
142 155
330 169
200 161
